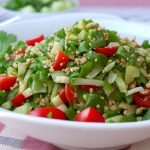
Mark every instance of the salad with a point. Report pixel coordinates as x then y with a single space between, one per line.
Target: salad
83 73
28 6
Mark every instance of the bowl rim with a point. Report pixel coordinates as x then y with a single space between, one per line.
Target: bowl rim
65 123
73 124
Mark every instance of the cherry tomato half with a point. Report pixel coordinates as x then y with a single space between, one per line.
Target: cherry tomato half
7 82
32 42
70 93
63 97
18 100
108 51
90 114
45 111
142 100
61 61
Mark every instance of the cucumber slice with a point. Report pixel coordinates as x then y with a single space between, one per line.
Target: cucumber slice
121 84
11 71
108 88
62 107
39 87
59 77
57 101
131 73
95 71
7 105
24 109
111 77
55 91
22 87
82 35
62 79
121 118
109 67
50 85
27 75
22 67
81 81
55 49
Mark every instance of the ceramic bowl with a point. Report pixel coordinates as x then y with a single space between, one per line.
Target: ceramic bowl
75 135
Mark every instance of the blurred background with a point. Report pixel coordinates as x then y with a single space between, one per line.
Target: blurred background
100 3
133 10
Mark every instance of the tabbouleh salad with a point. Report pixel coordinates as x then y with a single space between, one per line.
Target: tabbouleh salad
83 73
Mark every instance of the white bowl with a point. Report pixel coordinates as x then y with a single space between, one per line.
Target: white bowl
75 135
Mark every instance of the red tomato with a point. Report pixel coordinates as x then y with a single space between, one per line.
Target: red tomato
61 61
90 114
18 100
142 100
108 51
70 93
32 42
88 87
45 111
63 97
7 82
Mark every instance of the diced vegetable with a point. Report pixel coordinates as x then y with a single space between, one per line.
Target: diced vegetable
121 84
96 38
32 42
18 100
109 67
81 81
7 82
121 118
45 111
22 69
89 115
142 99
63 97
55 49
71 113
61 61
131 73
108 88
24 109
56 101
39 87
108 51
94 72
95 100
55 90
70 93
111 77
85 69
